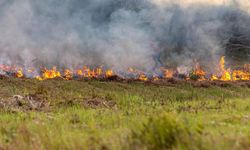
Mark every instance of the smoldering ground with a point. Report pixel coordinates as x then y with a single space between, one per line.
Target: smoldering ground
144 34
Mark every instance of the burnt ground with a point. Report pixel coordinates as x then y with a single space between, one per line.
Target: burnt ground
174 81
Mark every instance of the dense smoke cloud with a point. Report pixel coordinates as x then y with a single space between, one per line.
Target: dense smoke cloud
118 33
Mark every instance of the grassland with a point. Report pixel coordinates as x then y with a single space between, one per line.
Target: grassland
115 115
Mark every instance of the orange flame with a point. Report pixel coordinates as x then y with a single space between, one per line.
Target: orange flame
223 74
50 74
143 77
198 71
168 73
19 73
109 73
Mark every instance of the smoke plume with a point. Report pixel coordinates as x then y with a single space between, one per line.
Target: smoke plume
120 33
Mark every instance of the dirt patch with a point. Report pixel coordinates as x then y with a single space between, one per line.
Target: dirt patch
24 103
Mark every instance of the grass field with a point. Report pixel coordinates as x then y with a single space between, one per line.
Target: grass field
58 114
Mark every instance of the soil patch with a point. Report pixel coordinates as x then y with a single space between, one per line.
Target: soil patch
24 103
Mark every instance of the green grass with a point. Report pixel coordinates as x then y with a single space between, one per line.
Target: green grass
146 116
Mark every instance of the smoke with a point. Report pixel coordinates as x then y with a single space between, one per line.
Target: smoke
118 33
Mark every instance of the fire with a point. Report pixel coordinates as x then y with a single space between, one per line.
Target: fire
225 73
226 76
19 73
222 63
198 73
241 75
109 73
140 75
214 78
99 71
155 78
39 78
143 77
79 72
50 74
168 73
68 74
86 72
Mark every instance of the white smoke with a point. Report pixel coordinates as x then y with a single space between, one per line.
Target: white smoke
242 4
116 33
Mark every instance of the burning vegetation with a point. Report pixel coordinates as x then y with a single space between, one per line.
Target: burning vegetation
197 73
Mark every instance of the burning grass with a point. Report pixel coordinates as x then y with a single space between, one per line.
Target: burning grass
94 114
87 73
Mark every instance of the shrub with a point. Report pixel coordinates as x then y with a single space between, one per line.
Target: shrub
161 132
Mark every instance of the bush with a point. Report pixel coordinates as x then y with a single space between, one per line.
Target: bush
161 132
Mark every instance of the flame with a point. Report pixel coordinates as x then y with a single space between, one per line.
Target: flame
240 75
198 73
19 73
39 78
109 73
168 73
88 73
214 78
225 73
99 71
143 77
68 74
79 72
155 78
50 74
